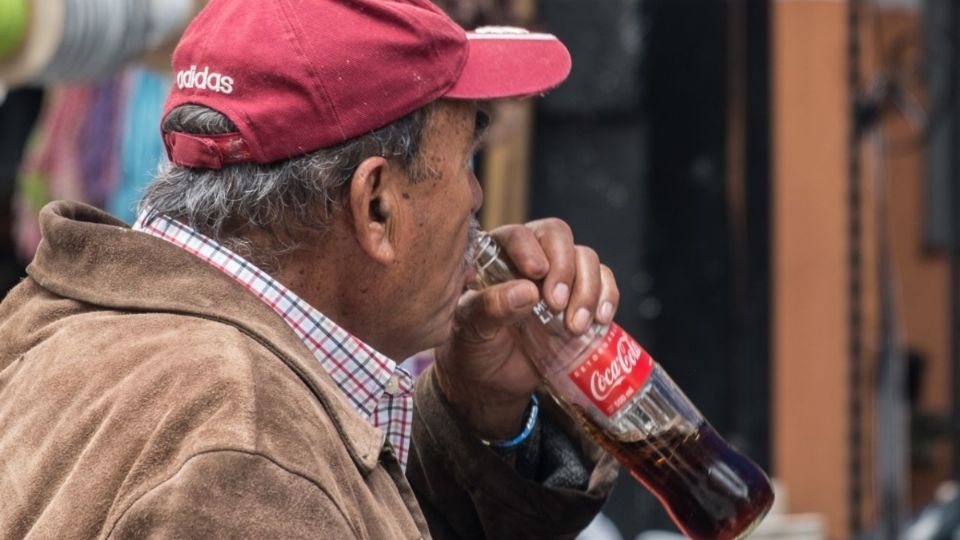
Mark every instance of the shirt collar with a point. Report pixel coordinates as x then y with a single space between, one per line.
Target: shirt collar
362 373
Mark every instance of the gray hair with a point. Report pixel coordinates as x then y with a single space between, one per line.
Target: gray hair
281 198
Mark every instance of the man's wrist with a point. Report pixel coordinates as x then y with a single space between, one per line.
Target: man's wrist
533 413
488 415
493 421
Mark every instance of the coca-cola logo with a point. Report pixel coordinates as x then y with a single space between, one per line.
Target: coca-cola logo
604 381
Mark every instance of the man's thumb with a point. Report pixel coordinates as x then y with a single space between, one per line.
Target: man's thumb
489 310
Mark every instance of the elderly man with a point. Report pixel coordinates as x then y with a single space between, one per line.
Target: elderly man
228 366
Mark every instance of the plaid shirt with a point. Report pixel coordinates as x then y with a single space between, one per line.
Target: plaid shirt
378 389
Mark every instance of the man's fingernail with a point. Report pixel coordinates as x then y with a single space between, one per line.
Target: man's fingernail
519 297
606 312
561 293
580 319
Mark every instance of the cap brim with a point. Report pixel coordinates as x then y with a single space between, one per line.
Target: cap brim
511 65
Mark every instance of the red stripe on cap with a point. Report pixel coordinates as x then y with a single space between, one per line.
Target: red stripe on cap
206 151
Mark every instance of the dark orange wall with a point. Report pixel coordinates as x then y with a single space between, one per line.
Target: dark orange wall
809 256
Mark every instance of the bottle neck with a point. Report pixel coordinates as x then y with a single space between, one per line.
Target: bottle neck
493 267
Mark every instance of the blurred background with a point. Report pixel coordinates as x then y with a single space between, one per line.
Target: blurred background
775 183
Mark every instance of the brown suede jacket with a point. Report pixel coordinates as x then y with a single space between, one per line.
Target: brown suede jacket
143 393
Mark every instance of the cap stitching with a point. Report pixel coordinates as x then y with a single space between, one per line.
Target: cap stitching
463 65
295 41
415 24
203 52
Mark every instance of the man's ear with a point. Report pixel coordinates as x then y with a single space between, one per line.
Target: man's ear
373 205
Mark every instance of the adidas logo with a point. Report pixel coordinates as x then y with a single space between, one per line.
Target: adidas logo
204 80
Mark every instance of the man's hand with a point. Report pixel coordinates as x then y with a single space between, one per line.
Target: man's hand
481 369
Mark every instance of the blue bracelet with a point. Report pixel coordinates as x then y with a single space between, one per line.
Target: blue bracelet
527 427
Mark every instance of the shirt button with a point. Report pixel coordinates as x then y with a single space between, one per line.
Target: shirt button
393 385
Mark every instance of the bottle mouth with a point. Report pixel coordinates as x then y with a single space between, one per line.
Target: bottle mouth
486 250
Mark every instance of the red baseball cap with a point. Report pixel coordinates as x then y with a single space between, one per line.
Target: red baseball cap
295 76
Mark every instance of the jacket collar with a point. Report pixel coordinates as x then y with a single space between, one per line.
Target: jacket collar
90 256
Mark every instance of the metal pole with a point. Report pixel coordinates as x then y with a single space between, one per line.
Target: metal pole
854 269
891 433
954 238
736 203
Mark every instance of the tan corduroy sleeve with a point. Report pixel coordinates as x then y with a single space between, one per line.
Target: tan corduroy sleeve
233 494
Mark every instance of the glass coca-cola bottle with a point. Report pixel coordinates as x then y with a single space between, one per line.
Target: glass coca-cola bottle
632 408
